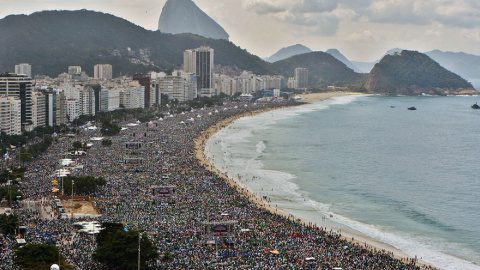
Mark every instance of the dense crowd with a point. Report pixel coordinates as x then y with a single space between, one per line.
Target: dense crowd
176 224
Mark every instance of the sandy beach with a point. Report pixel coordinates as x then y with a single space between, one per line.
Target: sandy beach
201 142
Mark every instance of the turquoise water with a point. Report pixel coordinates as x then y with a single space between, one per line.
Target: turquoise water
410 179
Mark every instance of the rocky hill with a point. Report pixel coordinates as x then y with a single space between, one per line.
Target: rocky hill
184 16
323 69
53 40
287 52
414 73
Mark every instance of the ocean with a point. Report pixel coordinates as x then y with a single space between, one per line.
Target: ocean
367 165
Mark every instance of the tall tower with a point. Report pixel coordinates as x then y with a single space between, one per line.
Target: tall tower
10 115
24 69
201 62
103 72
301 78
19 86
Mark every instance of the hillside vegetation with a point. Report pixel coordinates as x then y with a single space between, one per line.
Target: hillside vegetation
323 69
53 40
414 73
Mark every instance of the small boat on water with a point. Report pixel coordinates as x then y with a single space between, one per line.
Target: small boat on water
475 106
412 108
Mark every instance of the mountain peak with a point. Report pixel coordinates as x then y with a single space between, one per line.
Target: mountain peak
287 52
184 16
340 57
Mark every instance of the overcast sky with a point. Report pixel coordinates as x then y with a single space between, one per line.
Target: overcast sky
362 30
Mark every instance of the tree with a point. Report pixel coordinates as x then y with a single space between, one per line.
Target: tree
83 185
77 145
106 142
10 193
109 129
8 223
39 257
120 250
108 229
11 174
26 157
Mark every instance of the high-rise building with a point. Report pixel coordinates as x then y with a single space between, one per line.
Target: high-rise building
39 108
10 115
103 72
74 70
24 69
301 78
109 99
54 107
201 62
72 109
19 86
145 82
87 101
132 97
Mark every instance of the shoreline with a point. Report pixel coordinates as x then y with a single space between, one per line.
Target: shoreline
362 240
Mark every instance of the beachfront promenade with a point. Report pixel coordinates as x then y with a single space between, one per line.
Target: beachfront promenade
259 238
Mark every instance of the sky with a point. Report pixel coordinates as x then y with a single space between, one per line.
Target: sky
362 30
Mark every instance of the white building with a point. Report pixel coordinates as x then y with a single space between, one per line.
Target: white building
23 69
301 78
247 82
109 100
39 109
87 101
175 88
132 97
72 109
74 70
19 86
10 115
103 72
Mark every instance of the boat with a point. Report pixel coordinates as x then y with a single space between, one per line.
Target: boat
475 106
412 108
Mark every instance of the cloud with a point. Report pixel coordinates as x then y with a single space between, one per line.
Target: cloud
454 13
315 16
365 36
262 7
327 25
314 6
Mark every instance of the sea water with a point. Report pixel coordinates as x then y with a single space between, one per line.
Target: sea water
368 165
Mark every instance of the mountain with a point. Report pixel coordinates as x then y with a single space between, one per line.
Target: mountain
53 40
463 64
414 73
287 52
366 67
184 16
323 69
340 57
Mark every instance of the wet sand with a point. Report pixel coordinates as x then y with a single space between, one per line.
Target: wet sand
200 154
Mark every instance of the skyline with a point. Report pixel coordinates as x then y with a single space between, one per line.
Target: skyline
362 30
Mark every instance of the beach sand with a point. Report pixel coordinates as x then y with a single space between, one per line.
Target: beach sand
200 145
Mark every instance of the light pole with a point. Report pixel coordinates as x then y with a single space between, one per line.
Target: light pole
73 182
139 239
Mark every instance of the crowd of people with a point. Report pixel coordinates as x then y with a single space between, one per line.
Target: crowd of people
178 224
